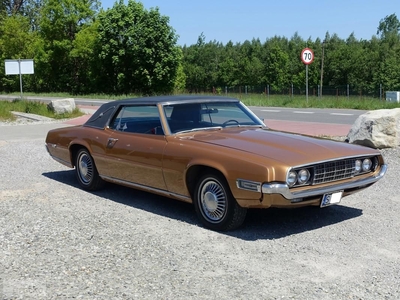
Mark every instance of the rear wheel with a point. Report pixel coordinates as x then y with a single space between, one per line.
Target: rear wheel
215 205
86 171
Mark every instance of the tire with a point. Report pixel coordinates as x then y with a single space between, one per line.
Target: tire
215 206
86 171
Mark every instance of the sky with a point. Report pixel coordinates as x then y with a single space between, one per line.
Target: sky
238 21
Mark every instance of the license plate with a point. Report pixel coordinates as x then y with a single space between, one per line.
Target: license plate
331 199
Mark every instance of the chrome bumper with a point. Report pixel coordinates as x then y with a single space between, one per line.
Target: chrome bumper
283 189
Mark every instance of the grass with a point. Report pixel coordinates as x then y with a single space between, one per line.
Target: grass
32 107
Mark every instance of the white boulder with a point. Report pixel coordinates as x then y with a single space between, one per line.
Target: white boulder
377 129
62 106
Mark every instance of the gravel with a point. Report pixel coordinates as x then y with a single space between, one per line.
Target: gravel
60 242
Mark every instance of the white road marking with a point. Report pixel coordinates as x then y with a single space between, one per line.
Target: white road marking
270 110
305 112
339 114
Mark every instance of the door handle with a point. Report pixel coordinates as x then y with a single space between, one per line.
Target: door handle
111 142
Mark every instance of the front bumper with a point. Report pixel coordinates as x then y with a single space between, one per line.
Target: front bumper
284 190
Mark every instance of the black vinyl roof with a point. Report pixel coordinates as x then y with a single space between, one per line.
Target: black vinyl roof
100 118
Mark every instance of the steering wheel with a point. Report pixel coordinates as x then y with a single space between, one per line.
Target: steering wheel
230 121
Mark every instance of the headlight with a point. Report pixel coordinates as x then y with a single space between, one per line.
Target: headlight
291 178
358 166
366 165
303 176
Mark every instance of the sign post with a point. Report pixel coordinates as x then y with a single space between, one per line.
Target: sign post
19 66
307 57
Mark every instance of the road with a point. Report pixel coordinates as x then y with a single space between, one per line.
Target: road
318 115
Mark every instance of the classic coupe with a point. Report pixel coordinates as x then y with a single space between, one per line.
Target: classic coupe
213 152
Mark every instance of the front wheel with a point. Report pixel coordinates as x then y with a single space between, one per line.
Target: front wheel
215 205
86 171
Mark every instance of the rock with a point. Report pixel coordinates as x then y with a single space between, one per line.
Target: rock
62 106
377 129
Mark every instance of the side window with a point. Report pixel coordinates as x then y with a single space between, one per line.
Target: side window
137 119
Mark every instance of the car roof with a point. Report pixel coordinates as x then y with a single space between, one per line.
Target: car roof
103 114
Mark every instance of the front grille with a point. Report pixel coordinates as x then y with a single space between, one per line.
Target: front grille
333 171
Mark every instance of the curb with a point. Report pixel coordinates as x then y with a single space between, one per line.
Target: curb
32 117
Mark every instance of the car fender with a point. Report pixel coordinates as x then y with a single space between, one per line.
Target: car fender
233 172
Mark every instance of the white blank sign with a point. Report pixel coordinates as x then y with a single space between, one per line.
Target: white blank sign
13 68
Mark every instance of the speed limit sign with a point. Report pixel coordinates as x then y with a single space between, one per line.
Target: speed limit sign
307 56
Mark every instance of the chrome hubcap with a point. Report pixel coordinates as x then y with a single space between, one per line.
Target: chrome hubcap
85 167
210 201
213 201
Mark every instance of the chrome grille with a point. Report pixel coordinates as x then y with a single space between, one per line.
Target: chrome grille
334 170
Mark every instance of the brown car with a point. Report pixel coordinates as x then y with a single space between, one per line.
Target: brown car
212 152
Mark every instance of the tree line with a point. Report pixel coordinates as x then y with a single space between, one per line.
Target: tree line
80 48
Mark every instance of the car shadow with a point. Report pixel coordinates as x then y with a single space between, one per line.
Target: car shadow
149 202
275 223
266 224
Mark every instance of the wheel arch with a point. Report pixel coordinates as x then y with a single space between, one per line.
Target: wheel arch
197 170
73 150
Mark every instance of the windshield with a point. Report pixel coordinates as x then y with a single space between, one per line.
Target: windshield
195 116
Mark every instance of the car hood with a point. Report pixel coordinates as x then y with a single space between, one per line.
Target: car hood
292 149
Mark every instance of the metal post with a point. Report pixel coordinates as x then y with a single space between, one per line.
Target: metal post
20 76
307 83
380 92
348 91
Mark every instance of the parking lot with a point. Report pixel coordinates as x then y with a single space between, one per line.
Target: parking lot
60 242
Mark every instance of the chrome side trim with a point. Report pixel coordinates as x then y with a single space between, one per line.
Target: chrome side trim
283 189
146 188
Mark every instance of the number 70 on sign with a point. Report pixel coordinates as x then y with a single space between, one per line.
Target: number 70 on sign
307 56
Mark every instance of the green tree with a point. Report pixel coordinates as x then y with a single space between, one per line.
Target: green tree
193 68
296 69
83 59
60 23
277 63
180 81
229 68
136 50
356 62
387 64
389 26
249 67
335 61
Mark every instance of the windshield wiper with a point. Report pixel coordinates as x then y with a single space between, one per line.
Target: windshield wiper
200 129
239 125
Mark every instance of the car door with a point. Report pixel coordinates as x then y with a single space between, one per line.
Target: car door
135 148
